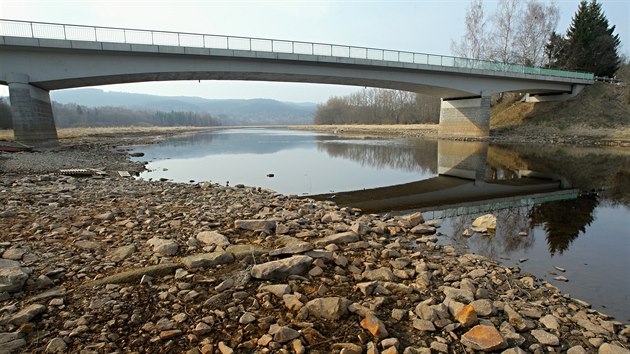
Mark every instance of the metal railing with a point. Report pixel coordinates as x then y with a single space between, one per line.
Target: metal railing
44 30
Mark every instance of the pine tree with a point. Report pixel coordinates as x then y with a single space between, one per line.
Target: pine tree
591 44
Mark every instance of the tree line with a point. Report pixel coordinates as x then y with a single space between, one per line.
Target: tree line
74 115
379 106
521 32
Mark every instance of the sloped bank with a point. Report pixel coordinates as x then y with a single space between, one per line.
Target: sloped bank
113 264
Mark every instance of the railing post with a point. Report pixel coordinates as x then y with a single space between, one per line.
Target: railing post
32 31
64 33
95 34
152 40
125 36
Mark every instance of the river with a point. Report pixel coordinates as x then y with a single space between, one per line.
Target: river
563 211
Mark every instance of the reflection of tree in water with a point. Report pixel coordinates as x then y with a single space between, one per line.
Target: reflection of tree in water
564 220
510 222
412 156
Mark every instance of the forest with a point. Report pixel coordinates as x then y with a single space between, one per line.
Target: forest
379 106
74 115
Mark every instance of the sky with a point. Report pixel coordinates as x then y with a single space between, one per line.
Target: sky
426 26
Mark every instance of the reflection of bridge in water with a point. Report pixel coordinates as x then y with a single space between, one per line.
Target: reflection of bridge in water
464 185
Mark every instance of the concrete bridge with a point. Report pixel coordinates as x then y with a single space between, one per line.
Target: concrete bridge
39 57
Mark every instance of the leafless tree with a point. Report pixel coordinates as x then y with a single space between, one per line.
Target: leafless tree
535 28
473 43
504 22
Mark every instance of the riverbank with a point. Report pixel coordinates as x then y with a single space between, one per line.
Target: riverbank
108 263
530 134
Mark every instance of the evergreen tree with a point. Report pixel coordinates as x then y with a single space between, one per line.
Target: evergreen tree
591 44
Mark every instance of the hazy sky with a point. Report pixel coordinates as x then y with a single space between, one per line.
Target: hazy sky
426 26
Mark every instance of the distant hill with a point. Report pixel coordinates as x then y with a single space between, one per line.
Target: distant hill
228 111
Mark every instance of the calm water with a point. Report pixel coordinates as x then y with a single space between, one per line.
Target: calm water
573 203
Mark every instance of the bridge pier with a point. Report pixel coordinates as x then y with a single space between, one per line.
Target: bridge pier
33 121
468 117
463 159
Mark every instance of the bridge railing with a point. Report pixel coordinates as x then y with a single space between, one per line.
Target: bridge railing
44 30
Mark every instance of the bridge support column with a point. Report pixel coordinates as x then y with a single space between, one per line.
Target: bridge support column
33 121
463 159
469 117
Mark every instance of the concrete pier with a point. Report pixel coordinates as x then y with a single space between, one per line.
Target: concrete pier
33 121
468 117
463 159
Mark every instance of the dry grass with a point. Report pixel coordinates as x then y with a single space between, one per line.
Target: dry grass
71 133
373 130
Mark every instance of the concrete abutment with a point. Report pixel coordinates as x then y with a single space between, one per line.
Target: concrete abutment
467 117
33 121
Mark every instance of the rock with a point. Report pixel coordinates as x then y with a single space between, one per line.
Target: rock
390 342
292 302
467 316
12 279
360 228
516 350
423 230
212 238
330 308
294 248
224 285
56 345
25 315
285 334
134 275
105 216
483 337
550 322
545 338
484 223
247 318
374 326
207 260
14 254
11 342
607 348
411 220
244 251
282 268
591 327
277 289
88 245
120 253
298 347
483 307
460 295
163 247
423 325
515 318
338 239
224 349
256 225
576 350
383 274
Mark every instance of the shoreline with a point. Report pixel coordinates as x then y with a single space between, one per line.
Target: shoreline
109 263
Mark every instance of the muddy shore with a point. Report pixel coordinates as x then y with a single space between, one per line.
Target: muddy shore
104 263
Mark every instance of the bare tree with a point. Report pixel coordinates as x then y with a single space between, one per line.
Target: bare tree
535 28
473 43
504 20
